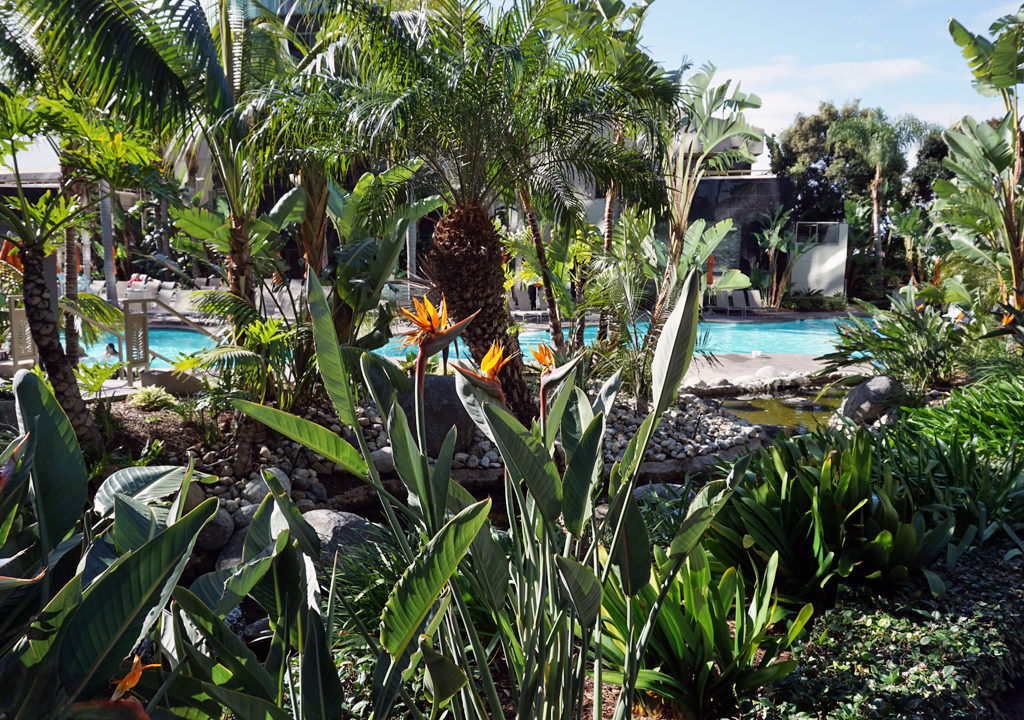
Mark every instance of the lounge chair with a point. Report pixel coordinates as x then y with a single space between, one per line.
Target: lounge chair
754 300
739 302
722 301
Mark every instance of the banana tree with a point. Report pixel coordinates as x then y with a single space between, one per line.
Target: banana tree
981 204
996 158
708 133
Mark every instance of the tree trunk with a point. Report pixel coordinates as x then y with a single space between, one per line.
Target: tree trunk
71 192
876 215
43 324
86 241
609 234
107 233
241 281
542 261
314 220
467 263
163 242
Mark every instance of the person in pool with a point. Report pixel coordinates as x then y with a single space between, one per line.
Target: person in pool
111 352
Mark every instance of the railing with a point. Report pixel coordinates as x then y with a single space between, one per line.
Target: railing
113 331
191 323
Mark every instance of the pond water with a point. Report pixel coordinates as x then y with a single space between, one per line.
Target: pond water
804 412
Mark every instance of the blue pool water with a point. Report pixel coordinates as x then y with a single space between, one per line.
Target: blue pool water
814 336
168 342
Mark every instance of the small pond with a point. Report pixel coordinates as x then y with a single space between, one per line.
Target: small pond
803 411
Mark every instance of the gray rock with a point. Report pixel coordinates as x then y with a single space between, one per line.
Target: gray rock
257 488
305 504
258 630
660 490
341 532
243 516
383 460
231 554
443 410
194 497
317 492
869 400
217 532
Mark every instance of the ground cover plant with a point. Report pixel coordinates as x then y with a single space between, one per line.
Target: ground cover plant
911 656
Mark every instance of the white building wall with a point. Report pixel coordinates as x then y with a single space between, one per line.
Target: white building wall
823 267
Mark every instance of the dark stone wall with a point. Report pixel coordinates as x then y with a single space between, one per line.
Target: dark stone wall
746 200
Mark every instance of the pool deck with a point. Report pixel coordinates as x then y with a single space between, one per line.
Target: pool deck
732 366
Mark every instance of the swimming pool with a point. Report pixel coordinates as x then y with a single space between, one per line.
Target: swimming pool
169 342
813 336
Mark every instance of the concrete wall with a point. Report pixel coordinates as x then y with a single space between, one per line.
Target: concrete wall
823 267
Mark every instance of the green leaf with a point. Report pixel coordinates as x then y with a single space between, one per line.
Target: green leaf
315 437
584 471
418 589
675 345
490 564
582 588
59 476
120 607
309 541
442 678
134 524
222 590
632 554
524 455
245 707
141 483
267 524
328 356
557 409
322 694
227 648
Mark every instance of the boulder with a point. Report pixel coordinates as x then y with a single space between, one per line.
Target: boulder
243 515
443 410
384 460
341 532
869 400
257 489
661 491
232 552
175 383
216 533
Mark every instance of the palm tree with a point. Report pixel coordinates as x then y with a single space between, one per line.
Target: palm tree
562 127
447 86
170 67
881 143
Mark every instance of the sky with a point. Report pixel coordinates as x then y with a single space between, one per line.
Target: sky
893 54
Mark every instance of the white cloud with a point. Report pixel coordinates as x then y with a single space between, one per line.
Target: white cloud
788 87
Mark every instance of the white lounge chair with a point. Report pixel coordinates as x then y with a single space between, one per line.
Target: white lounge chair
739 302
754 300
722 301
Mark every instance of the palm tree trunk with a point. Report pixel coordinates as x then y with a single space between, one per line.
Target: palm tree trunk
609 234
71 191
467 266
241 281
107 233
314 220
542 262
876 215
43 324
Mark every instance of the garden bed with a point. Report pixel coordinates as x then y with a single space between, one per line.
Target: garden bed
910 656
